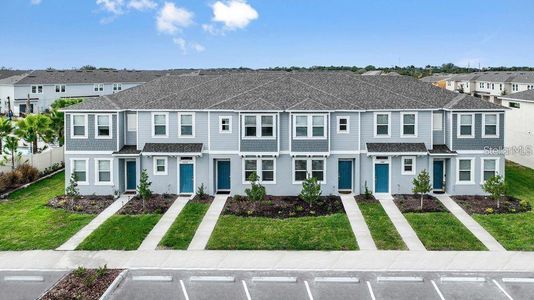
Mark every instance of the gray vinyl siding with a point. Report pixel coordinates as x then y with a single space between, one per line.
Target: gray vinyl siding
438 136
284 131
477 143
121 128
469 189
92 188
131 136
91 143
223 141
344 141
259 144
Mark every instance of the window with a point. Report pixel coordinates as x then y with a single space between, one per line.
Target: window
250 126
225 124
342 124
309 126
409 124
515 87
117 87
408 165
465 125
514 104
267 126
79 168
186 124
489 168
437 121
78 126
493 86
131 120
103 126
259 126
301 126
103 171
382 124
465 171
318 126
449 83
481 85
98 87
160 165
490 125
306 167
500 87
530 87
263 167
37 89
60 88
160 124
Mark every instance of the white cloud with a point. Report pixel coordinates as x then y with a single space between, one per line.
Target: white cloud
112 6
181 43
35 2
212 29
142 4
185 46
197 47
234 14
171 18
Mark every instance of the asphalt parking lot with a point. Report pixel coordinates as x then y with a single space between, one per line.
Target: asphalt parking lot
17 285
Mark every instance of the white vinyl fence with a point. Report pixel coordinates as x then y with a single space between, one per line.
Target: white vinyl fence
40 161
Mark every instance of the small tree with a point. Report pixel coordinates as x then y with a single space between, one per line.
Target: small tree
143 189
311 190
496 187
421 185
10 150
201 191
72 189
256 192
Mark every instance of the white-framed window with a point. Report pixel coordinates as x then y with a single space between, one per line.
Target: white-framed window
514 104
117 87
98 87
259 126
409 124
500 86
103 125
80 168
530 87
309 167
60 88
449 83
265 168
343 124
382 122
408 165
481 85
186 124
37 89
103 171
78 126
464 170
490 168
131 122
160 165
437 121
225 124
312 126
515 87
160 125
466 125
490 125
493 86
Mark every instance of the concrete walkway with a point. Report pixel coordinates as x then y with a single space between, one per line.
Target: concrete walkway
478 231
202 236
76 239
403 227
152 240
357 222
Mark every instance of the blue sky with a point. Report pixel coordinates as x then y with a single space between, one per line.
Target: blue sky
156 34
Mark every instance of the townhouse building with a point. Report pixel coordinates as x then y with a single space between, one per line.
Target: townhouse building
346 130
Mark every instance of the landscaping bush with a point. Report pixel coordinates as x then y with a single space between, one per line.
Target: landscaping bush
27 173
256 192
311 190
421 185
496 187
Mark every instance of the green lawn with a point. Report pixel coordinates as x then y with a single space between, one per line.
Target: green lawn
26 222
121 232
183 229
514 231
332 232
442 231
382 229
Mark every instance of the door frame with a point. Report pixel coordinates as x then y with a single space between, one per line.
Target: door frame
443 173
179 162
126 174
385 161
351 174
217 175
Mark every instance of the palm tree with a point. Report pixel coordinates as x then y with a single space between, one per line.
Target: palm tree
11 149
33 127
57 119
6 128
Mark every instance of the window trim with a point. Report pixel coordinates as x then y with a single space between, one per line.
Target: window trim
308 168
459 125
338 124
472 171
375 116
402 134
97 171
72 160
86 127
309 125
259 169
127 122
229 124
154 135
104 137
497 165
116 87
62 88
414 165
180 135
96 87
258 127
36 88
497 125
155 166
441 125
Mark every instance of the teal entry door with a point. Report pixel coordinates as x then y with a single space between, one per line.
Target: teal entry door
381 178
130 175
223 175
344 175
437 182
186 179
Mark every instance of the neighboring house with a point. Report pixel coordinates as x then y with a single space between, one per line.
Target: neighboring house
519 138
346 130
45 86
491 85
438 79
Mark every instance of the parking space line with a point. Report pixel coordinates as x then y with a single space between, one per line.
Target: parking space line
502 290
212 278
371 291
275 279
247 293
24 278
338 279
399 279
308 290
463 279
437 290
518 280
156 278
184 291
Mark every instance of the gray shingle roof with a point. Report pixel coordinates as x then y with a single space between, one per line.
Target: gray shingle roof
441 149
436 77
396 147
10 73
283 91
173 147
127 150
497 76
525 95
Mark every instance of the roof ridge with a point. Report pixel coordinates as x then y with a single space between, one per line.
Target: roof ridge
244 92
455 100
115 105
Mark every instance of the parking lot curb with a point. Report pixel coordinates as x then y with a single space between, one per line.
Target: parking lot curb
111 288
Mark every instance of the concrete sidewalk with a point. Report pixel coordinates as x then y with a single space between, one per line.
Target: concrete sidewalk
401 224
357 223
203 233
478 231
152 240
78 238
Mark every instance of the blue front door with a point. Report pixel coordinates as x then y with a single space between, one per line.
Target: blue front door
186 178
130 175
381 178
344 175
223 175
438 175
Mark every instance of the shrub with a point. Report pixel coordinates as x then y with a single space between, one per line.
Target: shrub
496 187
143 189
201 191
101 271
367 193
524 204
5 181
72 189
311 190
80 271
27 173
489 210
421 185
256 192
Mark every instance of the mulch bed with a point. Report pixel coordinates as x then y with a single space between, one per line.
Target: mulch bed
207 199
282 207
486 205
84 204
412 203
157 204
363 199
87 285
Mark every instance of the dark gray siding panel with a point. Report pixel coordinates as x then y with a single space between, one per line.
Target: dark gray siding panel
122 122
309 146
477 143
259 145
131 136
437 137
90 144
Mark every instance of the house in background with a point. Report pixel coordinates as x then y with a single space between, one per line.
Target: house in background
346 130
437 80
